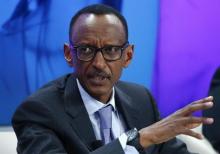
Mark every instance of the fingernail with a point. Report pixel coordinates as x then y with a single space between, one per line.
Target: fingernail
209 103
210 97
209 120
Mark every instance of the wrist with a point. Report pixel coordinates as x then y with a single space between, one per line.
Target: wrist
146 139
134 139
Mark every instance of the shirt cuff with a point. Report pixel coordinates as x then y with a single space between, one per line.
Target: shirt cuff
127 148
123 140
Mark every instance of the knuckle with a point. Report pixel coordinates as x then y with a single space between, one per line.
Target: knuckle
191 119
190 108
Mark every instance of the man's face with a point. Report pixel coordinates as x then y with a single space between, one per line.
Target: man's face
98 75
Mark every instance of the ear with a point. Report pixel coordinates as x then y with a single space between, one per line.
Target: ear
68 54
128 55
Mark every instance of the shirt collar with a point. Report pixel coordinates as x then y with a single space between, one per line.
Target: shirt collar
92 105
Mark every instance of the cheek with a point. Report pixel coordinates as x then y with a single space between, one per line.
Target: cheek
116 70
81 68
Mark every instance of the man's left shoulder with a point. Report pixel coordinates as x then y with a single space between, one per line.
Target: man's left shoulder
130 86
134 91
140 99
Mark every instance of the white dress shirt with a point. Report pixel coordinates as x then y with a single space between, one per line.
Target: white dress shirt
118 127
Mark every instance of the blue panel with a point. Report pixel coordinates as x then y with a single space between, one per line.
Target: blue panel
31 45
31 48
142 19
117 4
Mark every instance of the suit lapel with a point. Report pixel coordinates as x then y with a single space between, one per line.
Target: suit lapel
79 117
127 108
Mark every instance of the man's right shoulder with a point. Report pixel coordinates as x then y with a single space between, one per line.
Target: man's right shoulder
51 91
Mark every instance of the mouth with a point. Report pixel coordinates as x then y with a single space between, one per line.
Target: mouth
99 79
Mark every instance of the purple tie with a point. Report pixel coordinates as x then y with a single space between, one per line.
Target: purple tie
105 115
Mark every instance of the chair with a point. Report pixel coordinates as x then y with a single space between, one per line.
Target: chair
8 140
197 146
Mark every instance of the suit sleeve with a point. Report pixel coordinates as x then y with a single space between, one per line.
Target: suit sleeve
33 124
30 122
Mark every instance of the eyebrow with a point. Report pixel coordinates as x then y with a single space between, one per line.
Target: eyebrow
90 45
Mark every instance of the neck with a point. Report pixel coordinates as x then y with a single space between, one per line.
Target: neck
104 98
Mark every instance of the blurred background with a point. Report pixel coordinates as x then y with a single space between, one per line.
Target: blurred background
177 47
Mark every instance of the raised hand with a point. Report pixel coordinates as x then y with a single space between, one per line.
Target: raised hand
180 122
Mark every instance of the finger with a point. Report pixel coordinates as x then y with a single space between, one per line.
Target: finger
193 125
193 122
193 134
189 109
208 121
203 100
194 106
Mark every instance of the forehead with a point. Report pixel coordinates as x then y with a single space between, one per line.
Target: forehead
98 27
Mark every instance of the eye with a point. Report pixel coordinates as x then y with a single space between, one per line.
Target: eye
111 50
85 50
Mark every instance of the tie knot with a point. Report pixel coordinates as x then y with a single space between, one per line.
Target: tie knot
105 115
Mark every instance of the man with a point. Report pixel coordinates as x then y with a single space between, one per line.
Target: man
212 133
69 115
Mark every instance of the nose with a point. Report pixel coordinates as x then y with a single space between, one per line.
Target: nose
99 61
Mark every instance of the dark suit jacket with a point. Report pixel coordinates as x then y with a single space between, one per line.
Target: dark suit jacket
212 132
55 120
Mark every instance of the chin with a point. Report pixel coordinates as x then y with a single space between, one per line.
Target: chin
100 93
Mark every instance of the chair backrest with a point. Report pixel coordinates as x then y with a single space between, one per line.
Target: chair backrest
197 146
8 140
